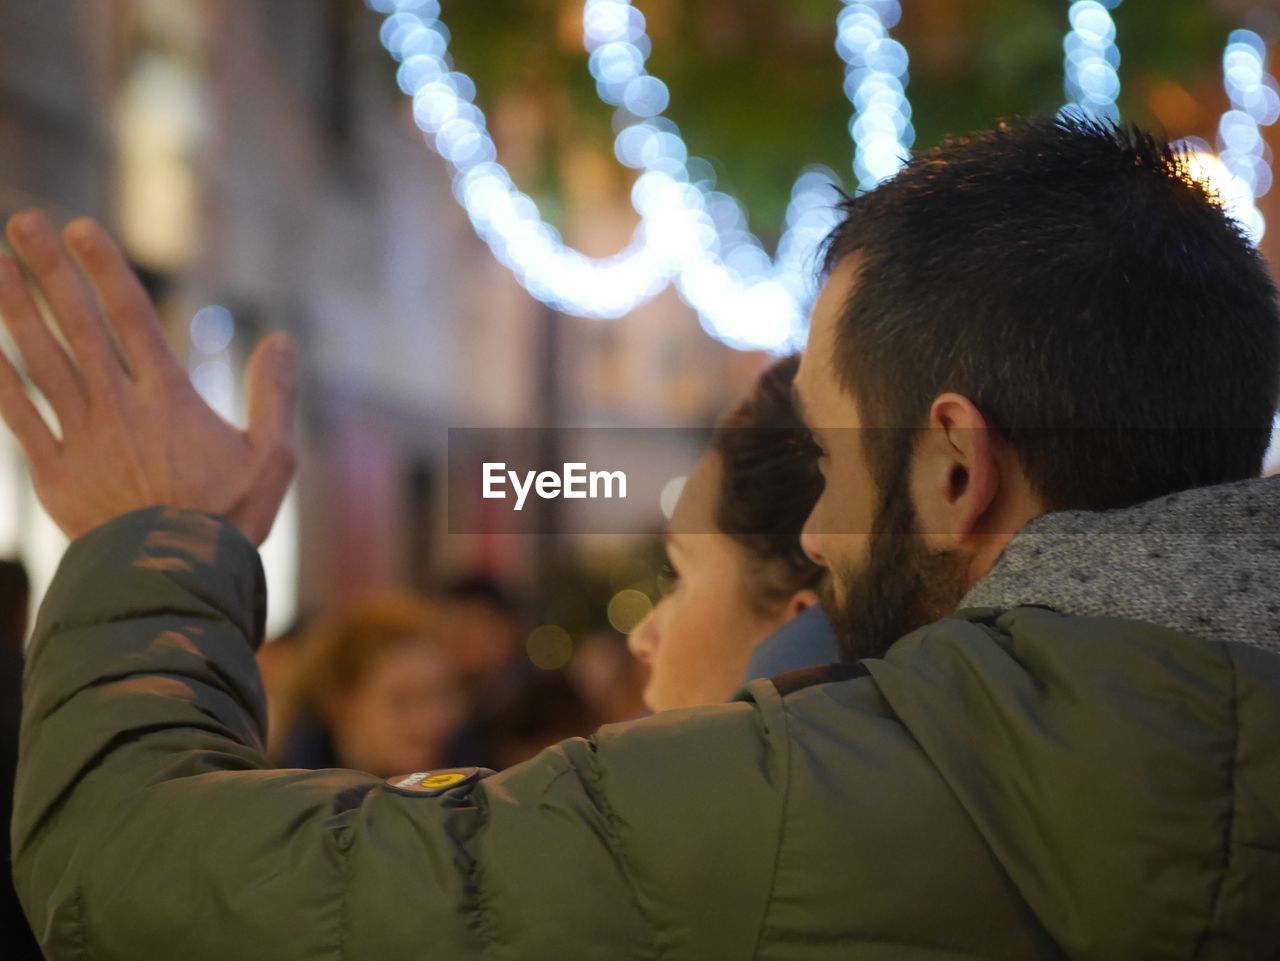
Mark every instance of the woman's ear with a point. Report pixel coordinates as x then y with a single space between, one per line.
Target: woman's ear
801 601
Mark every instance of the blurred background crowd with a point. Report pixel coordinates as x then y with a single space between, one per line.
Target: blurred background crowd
264 165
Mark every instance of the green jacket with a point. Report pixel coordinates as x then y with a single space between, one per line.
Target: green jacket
1017 785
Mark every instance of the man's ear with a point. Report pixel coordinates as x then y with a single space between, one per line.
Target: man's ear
956 475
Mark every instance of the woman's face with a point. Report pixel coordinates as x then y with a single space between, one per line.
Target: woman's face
401 713
698 639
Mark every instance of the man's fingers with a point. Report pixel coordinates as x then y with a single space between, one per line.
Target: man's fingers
272 387
256 514
37 242
17 411
46 361
126 305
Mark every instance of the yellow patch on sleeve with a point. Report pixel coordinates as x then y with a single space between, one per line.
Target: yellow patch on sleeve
435 783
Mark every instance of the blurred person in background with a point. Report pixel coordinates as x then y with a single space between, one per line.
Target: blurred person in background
608 678
15 598
279 660
514 709
526 718
482 628
746 599
376 690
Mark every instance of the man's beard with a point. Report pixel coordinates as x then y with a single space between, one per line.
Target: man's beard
903 586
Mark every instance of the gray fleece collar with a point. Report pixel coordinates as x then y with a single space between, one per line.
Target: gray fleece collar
1203 562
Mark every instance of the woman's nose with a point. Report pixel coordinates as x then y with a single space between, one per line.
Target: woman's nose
643 640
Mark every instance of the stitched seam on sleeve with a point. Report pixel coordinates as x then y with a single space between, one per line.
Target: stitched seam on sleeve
344 907
82 936
595 793
784 740
1215 905
475 900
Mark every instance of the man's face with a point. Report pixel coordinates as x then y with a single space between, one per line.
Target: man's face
837 533
886 582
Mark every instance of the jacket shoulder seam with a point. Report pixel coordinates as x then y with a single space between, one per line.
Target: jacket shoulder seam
796 681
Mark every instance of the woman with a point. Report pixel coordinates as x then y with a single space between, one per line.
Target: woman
743 588
376 691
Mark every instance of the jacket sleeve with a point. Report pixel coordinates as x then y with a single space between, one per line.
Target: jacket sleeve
149 825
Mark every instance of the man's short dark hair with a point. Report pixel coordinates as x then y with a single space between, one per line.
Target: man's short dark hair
1100 308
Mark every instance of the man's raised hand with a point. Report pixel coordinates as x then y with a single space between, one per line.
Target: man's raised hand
134 432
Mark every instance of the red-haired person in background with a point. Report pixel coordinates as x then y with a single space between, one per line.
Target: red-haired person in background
376 690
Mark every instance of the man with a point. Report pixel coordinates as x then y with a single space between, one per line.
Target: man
1081 762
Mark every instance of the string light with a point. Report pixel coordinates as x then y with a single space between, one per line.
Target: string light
505 217
1092 60
696 237
1255 103
689 233
875 82
1240 171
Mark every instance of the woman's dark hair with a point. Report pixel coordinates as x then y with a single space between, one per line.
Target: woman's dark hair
769 484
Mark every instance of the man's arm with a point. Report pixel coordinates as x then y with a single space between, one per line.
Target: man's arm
149 826
148 823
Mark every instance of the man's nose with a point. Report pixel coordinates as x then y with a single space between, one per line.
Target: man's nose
811 543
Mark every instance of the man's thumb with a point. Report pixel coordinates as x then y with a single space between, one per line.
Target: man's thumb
271 380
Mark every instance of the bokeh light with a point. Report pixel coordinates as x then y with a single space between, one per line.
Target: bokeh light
1255 103
549 647
670 495
1092 60
627 609
212 329
215 382
1272 460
